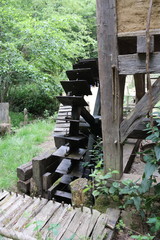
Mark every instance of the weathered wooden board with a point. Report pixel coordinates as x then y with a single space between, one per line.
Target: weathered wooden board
43 216
64 166
29 219
10 212
100 231
75 223
3 194
54 221
47 180
135 63
40 164
112 216
62 152
23 186
86 227
24 172
142 46
7 202
20 211
29 213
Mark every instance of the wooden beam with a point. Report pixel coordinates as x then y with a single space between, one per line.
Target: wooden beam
141 44
88 117
24 172
141 110
139 33
139 80
135 63
139 132
109 84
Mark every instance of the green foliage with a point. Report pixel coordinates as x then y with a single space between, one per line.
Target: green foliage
35 97
41 39
120 225
18 117
155 223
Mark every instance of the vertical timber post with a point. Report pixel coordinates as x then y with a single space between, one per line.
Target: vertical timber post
139 80
109 85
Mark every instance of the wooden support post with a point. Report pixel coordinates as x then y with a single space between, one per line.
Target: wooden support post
40 166
139 80
74 126
109 85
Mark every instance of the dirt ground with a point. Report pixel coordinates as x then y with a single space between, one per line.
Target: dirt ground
48 144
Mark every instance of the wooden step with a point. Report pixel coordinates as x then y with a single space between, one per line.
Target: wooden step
72 100
63 152
81 74
63 196
68 138
66 167
67 179
88 63
78 88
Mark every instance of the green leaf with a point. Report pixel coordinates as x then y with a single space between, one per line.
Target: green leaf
145 185
127 182
116 184
157 151
112 190
137 202
96 193
149 169
86 189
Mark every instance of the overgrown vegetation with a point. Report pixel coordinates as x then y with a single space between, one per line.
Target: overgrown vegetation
143 195
21 148
17 118
39 40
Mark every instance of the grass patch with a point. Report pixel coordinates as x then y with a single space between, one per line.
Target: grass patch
20 148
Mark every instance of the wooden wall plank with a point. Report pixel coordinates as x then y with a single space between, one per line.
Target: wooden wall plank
134 63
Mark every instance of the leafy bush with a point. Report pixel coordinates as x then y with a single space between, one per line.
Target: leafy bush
36 98
18 117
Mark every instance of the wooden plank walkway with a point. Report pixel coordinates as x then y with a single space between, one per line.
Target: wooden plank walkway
26 218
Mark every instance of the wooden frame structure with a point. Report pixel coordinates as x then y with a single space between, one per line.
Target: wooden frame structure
119 55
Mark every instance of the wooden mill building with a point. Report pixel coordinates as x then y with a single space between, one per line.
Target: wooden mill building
123 42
